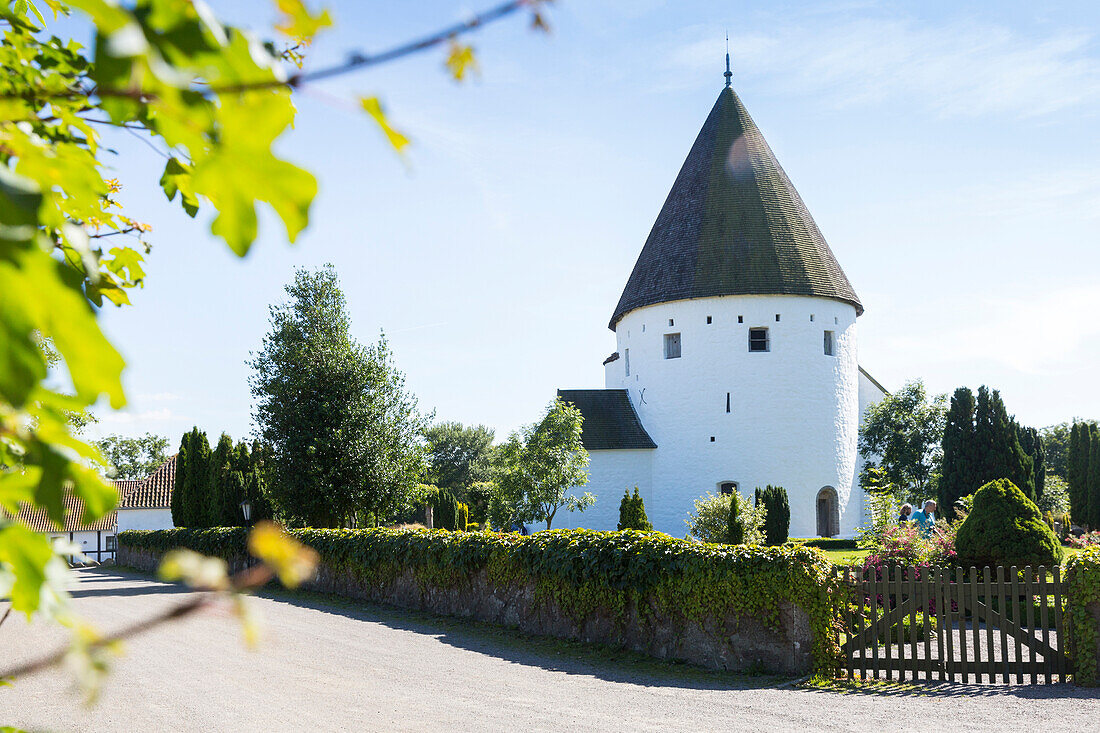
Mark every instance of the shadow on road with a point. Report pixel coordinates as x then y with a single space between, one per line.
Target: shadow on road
954 689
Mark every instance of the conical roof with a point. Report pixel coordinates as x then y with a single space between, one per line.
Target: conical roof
733 225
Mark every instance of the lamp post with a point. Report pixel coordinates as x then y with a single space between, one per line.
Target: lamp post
246 511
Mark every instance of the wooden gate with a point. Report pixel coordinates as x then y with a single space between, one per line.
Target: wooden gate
942 624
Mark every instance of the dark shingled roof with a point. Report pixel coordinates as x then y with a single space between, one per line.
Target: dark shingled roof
610 422
152 492
733 225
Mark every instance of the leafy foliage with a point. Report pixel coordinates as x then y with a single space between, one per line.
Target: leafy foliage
632 512
458 455
343 431
902 435
1006 528
540 465
1083 592
580 570
711 519
65 244
133 458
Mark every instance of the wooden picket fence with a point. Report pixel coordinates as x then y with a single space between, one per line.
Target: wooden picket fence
965 626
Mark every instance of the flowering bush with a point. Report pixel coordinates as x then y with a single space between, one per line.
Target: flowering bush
1089 539
903 544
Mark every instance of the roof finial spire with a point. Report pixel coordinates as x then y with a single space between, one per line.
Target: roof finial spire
728 74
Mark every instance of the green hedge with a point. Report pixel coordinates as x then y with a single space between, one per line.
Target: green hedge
1082 589
826 543
580 570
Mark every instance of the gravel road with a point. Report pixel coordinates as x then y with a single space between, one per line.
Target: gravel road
325 664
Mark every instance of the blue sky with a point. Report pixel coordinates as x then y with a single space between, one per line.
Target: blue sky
947 150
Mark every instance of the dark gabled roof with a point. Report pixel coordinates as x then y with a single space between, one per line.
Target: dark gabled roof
36 519
152 492
610 421
733 225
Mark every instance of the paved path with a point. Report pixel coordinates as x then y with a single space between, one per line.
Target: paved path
331 665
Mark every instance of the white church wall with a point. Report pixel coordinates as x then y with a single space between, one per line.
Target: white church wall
609 473
144 519
793 411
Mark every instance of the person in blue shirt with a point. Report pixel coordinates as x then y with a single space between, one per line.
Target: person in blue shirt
926 518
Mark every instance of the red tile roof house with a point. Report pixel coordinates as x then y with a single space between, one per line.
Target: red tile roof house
147 503
144 503
96 540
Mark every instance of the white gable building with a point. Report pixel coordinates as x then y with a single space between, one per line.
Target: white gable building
736 361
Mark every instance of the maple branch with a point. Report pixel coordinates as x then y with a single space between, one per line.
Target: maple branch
357 60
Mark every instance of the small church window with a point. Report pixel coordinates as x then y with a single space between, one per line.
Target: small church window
811 318
740 319
709 320
836 321
672 346
626 358
758 339
712 439
829 350
670 322
727 487
777 318
727 401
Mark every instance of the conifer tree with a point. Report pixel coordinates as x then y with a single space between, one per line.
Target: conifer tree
1076 459
196 481
179 492
958 473
632 512
1032 444
736 530
759 497
777 514
1092 509
217 483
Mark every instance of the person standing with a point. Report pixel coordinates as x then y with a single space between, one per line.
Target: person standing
906 513
926 518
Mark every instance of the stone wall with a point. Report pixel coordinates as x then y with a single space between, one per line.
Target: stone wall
722 641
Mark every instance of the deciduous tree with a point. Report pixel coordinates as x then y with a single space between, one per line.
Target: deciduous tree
343 431
902 434
133 458
543 462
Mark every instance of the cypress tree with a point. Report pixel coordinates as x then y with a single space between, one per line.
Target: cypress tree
641 519
1092 509
626 511
759 496
777 517
196 486
1032 444
957 478
217 486
736 530
1075 459
997 440
179 492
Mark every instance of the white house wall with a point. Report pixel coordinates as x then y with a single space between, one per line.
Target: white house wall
610 472
794 411
144 519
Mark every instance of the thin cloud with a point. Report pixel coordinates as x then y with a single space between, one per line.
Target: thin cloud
957 69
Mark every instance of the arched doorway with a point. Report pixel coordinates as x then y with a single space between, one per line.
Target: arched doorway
828 512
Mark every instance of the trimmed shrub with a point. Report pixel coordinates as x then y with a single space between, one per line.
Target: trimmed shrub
626 576
445 511
1005 528
632 512
827 543
777 517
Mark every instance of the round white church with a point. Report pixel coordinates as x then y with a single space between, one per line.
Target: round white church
736 359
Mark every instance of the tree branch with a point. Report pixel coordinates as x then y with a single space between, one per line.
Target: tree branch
247 579
355 61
